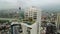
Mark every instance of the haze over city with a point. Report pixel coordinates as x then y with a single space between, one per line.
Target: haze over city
44 4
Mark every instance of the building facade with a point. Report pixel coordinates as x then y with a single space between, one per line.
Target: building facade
31 12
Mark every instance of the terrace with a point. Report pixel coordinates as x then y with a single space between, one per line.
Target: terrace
28 21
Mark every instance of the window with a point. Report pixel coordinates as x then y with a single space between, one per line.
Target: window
35 14
35 18
26 15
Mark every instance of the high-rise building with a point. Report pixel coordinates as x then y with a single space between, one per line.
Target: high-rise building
32 19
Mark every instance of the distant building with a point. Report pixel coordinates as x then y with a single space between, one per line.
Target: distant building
58 21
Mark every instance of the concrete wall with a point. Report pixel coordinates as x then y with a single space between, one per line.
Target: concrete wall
34 28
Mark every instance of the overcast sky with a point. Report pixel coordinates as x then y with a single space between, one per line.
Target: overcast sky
7 4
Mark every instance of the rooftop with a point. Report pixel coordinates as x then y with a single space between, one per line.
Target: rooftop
10 19
29 21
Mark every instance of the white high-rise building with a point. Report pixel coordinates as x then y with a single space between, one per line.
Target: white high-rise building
31 12
34 14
